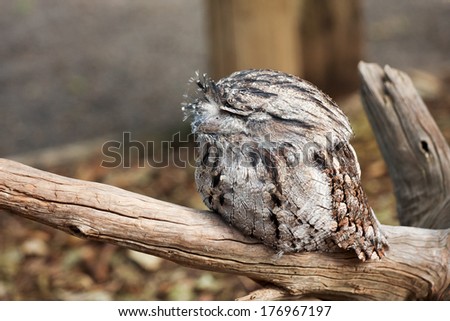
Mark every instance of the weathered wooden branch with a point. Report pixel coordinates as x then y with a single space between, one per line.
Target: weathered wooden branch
415 150
417 265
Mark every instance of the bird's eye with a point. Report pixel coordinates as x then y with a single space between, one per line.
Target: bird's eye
230 102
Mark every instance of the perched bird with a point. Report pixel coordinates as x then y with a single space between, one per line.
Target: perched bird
274 160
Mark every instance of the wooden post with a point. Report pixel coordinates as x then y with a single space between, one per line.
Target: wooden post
317 40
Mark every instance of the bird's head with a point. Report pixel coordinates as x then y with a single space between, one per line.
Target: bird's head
253 102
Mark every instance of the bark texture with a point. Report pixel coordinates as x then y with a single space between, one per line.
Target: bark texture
417 265
417 155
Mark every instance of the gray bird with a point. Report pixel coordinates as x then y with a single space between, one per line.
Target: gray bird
274 160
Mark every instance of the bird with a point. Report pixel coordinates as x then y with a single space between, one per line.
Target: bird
274 160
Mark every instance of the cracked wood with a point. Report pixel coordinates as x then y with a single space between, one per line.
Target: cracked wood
417 266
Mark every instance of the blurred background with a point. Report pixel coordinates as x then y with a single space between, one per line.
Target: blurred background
76 74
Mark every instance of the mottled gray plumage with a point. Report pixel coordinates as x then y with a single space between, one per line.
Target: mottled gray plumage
275 161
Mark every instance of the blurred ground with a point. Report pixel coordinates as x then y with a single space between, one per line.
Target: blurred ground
76 70
47 99
408 34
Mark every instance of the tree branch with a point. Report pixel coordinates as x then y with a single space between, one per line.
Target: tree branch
415 150
417 265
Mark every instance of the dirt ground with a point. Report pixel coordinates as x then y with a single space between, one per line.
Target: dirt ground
40 263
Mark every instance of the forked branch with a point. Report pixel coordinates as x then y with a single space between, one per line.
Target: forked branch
417 263
415 150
